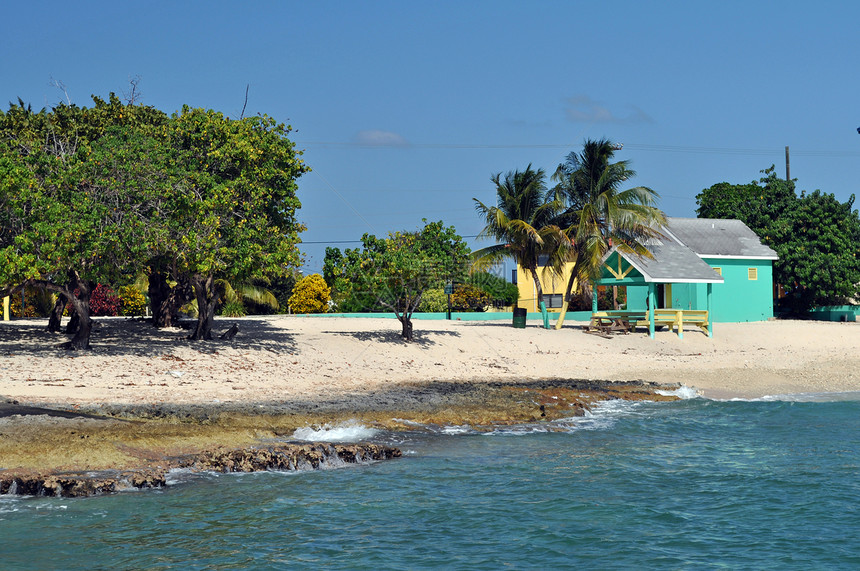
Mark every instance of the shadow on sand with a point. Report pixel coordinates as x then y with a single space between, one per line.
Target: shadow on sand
420 337
126 336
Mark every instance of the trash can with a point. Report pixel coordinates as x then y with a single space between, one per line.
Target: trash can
520 314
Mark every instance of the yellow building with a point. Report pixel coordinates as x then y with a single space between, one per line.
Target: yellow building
553 285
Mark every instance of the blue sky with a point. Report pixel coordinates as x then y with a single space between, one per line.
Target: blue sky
405 109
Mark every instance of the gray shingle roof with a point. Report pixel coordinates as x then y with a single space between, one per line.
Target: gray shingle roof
678 255
717 237
673 263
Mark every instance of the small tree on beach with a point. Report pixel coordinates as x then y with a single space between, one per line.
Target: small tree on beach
394 272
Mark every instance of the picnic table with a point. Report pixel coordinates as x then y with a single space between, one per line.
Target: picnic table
610 322
615 321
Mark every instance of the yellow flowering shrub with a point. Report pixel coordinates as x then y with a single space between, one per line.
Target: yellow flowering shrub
132 301
310 295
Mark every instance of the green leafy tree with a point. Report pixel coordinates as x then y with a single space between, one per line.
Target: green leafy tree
236 219
816 237
93 195
761 205
597 214
394 272
819 264
64 213
496 287
522 221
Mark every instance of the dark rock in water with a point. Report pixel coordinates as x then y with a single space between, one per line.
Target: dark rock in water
311 456
73 485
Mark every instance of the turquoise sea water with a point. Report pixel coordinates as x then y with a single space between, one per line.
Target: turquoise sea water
695 484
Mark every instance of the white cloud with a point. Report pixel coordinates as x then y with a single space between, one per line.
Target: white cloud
376 138
582 108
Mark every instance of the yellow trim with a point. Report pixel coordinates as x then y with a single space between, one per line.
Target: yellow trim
719 271
6 308
621 273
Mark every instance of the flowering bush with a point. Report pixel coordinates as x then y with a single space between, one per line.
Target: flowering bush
469 298
132 302
30 309
37 303
310 295
104 301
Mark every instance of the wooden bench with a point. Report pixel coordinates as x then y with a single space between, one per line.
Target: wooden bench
676 318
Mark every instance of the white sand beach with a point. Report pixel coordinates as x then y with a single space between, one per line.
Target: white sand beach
278 358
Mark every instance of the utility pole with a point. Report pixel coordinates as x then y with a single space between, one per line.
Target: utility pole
787 166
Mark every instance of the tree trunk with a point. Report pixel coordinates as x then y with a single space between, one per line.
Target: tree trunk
538 289
56 318
207 299
81 302
158 291
406 333
165 301
74 322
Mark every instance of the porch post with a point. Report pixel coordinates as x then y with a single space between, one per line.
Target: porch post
710 312
594 298
652 304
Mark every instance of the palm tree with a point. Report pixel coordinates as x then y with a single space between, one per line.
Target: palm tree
521 222
598 215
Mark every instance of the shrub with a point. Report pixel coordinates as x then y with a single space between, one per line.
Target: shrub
433 300
310 295
467 297
104 301
131 301
37 303
233 309
496 287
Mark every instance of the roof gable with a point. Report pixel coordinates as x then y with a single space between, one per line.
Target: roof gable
672 262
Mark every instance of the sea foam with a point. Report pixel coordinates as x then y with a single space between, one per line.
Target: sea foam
350 431
682 392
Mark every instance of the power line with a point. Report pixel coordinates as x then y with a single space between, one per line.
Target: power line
633 146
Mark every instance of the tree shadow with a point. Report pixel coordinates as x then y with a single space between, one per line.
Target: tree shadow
126 336
422 337
531 324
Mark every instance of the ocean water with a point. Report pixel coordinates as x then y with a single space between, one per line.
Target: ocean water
694 484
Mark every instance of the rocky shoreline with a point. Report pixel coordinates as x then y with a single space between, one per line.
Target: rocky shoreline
285 457
106 448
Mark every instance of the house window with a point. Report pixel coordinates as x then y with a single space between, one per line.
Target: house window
719 271
553 300
752 274
543 259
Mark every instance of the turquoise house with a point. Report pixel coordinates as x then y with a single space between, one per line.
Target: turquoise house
700 264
